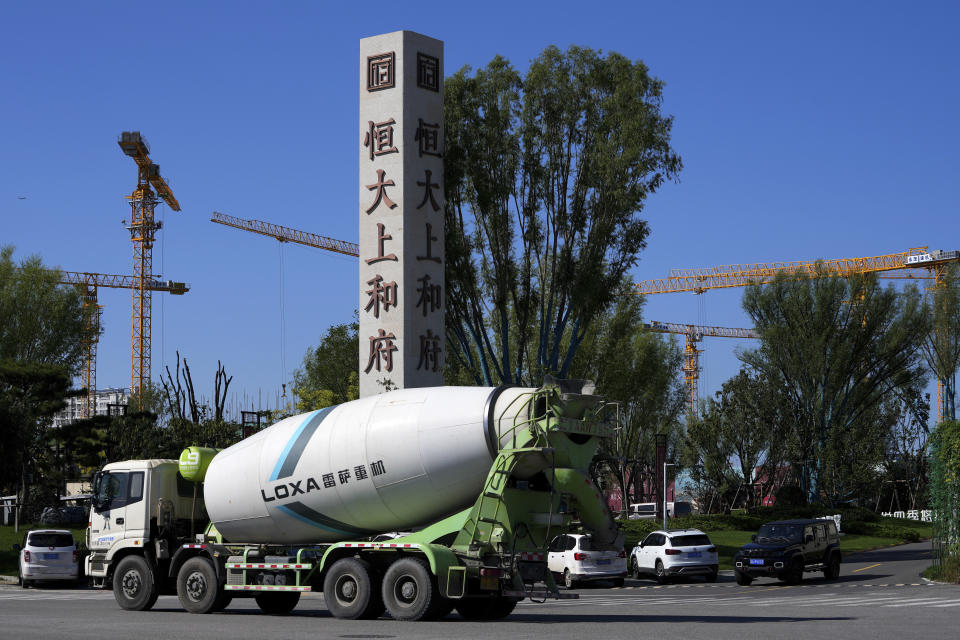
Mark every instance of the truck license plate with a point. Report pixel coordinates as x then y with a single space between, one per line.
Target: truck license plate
756 561
488 583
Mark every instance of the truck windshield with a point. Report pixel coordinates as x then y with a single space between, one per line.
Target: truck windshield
110 491
779 533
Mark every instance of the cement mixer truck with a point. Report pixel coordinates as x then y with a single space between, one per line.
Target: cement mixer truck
484 477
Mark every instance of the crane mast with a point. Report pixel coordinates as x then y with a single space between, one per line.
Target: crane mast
143 227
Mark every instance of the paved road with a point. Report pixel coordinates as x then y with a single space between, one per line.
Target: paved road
879 595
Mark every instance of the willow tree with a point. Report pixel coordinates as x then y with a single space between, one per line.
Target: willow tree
839 347
546 177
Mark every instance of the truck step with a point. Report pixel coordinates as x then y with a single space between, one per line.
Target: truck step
264 587
265 565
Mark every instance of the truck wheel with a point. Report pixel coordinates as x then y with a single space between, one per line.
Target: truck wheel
409 589
133 585
351 591
832 571
223 601
278 603
742 579
568 580
197 586
491 608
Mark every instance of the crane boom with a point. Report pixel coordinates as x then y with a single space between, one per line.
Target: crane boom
699 280
691 355
286 234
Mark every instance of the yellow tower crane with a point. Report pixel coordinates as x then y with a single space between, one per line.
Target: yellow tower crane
691 355
142 229
915 263
87 284
286 234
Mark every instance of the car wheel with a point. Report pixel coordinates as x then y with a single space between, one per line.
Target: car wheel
634 567
661 573
133 584
794 575
743 579
352 592
832 572
568 580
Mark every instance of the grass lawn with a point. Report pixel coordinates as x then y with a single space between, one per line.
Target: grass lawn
8 557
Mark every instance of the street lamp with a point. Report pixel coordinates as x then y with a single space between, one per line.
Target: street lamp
665 465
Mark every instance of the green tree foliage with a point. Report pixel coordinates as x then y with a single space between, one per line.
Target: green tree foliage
942 346
706 454
945 497
545 177
30 394
639 371
329 374
839 348
40 320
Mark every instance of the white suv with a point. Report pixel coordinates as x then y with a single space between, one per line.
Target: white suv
683 552
47 554
573 558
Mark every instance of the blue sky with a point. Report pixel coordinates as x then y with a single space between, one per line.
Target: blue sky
808 130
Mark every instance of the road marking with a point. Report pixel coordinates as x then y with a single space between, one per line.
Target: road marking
955 603
919 601
865 568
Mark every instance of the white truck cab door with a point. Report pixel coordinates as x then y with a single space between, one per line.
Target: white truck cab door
120 511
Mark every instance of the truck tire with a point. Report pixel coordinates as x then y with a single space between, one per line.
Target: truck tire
409 591
352 591
198 588
742 579
278 603
491 608
134 587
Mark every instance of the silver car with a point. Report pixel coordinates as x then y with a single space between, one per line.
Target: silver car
47 555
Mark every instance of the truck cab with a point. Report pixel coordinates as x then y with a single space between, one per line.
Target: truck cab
140 507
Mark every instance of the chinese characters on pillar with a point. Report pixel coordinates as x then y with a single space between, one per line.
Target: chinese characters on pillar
401 212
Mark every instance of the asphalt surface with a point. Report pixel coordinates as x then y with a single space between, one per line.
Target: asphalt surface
879 594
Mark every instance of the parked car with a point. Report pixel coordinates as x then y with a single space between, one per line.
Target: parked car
648 510
788 548
47 555
572 558
675 552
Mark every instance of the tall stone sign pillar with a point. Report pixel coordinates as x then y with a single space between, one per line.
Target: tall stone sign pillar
400 140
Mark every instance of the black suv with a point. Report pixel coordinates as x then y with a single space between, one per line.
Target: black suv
787 548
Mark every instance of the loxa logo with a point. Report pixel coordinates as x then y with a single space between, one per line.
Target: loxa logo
289 489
